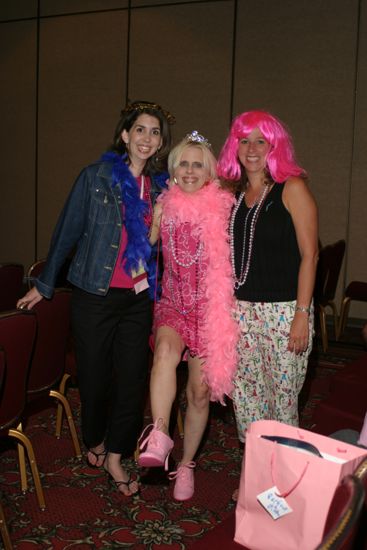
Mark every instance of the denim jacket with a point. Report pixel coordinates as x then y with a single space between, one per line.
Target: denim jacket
90 223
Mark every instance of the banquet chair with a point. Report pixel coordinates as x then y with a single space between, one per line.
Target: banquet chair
11 285
344 514
357 291
327 277
17 336
3 526
46 375
70 367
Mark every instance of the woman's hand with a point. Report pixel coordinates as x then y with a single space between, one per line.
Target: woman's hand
299 333
30 299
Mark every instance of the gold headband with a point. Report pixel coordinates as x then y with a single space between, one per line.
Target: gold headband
144 106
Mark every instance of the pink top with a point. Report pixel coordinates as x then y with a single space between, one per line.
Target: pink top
120 279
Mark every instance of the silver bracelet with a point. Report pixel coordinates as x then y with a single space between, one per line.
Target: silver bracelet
303 309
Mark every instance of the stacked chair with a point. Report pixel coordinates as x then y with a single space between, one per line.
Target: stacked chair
17 337
11 285
327 277
355 291
47 375
34 344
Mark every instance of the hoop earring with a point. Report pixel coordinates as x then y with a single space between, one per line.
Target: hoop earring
175 180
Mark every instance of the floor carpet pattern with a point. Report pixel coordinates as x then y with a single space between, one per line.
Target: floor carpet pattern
84 511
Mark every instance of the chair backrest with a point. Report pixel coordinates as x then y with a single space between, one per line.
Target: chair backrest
2 370
343 516
11 285
17 335
328 270
37 267
34 270
53 330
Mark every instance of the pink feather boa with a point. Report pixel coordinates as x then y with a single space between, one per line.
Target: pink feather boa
209 209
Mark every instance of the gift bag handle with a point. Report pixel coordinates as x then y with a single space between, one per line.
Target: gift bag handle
284 494
290 442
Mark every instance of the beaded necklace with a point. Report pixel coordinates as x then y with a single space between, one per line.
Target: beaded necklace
244 267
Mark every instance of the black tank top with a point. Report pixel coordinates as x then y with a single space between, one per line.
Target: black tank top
275 258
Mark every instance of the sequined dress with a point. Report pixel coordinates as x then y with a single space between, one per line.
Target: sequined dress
183 300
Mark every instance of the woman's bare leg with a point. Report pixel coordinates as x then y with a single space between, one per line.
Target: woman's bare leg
163 386
197 412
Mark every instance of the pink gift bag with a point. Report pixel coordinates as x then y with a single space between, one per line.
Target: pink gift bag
287 485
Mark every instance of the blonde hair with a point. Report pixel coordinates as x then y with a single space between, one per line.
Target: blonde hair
209 160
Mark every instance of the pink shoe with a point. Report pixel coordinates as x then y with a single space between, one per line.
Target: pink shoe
157 446
184 476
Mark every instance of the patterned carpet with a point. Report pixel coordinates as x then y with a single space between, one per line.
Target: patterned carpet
83 511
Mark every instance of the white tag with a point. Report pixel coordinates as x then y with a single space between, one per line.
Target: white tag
141 285
275 505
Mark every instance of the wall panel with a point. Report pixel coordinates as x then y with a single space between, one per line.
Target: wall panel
82 88
181 56
74 6
300 64
357 229
17 135
17 9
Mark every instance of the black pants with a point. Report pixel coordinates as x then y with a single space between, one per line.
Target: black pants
111 342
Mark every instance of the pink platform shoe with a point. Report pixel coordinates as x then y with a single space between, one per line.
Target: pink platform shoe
184 476
157 446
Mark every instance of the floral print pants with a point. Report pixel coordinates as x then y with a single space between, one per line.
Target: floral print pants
269 378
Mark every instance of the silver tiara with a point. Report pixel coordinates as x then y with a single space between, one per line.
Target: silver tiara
195 137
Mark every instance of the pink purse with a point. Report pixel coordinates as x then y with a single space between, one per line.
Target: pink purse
288 480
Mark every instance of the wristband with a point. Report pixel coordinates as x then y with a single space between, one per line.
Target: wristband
303 309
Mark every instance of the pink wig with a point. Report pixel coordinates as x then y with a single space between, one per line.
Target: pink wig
281 162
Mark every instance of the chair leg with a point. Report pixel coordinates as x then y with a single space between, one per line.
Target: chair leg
32 461
4 530
344 310
69 417
324 336
21 459
335 318
137 453
60 408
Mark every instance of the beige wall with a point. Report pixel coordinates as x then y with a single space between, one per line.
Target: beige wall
67 72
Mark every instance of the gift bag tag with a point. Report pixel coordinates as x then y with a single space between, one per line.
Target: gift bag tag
275 505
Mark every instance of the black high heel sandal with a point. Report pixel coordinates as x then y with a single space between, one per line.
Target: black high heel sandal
97 457
127 483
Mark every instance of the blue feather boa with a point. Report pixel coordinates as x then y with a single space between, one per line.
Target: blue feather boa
138 246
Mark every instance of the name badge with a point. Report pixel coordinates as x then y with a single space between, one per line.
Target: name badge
140 279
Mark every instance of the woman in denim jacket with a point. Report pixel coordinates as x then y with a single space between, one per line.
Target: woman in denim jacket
106 220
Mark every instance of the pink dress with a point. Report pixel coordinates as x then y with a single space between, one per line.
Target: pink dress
197 287
183 302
